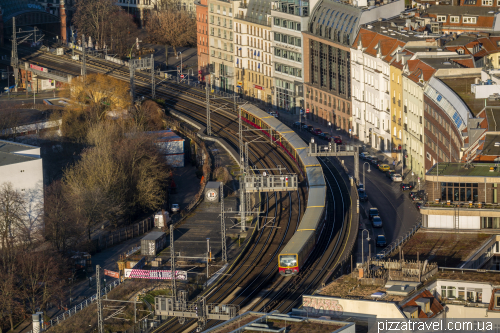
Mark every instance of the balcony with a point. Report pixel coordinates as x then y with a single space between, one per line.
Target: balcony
393 119
266 22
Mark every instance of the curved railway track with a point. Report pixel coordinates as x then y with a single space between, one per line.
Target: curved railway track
248 275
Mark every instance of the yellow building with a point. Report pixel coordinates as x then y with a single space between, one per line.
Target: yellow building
253 56
397 111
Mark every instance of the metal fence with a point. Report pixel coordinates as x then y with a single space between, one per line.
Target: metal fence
71 312
400 241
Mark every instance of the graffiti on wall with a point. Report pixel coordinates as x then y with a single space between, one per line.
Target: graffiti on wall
322 306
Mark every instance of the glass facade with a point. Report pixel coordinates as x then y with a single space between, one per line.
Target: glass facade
464 192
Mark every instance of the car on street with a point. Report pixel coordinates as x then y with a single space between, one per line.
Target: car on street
377 222
174 208
406 186
375 161
337 140
360 185
373 212
274 114
297 124
390 173
310 128
381 241
316 131
417 195
397 177
418 204
384 167
362 195
361 225
328 137
363 155
304 126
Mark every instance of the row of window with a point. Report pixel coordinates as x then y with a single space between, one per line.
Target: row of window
218 9
286 24
289 70
443 122
469 294
221 33
224 21
294 56
456 19
287 39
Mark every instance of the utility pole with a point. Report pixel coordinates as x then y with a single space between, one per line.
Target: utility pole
153 95
100 327
242 171
172 263
209 126
223 223
84 60
14 61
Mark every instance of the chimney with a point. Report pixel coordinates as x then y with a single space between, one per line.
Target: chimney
1 27
62 14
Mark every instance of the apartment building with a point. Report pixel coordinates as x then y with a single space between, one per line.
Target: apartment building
371 87
202 40
253 51
220 30
396 102
327 55
289 20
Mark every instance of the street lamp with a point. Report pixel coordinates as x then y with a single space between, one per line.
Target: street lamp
363 243
181 59
369 170
330 125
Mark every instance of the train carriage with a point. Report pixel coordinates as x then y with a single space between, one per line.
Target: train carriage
299 247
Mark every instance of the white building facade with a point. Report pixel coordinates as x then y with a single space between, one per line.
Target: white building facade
370 101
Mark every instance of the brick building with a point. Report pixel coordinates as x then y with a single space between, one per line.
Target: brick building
202 40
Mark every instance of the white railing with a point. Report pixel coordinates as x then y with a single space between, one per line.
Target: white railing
65 315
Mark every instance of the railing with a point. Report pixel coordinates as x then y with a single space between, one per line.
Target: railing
71 312
400 241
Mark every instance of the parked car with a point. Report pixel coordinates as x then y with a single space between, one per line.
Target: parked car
362 195
316 131
384 167
418 204
361 186
373 212
363 155
174 208
310 128
397 177
377 222
297 124
390 173
322 135
274 114
375 161
417 195
337 140
406 186
328 137
381 241
304 126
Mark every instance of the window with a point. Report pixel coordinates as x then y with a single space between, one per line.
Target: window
487 2
277 21
448 292
456 19
470 20
442 18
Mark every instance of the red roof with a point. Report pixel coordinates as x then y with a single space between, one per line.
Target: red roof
419 70
435 307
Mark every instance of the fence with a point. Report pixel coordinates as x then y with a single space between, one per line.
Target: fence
71 312
400 241
125 233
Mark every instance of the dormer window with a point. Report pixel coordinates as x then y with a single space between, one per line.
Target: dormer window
487 2
460 51
456 19
441 18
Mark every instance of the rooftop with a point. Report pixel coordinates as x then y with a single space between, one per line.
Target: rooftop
491 145
461 10
459 170
469 275
445 249
493 117
462 88
347 287
10 153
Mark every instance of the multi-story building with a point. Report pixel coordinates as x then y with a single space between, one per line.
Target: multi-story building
396 102
327 41
253 51
202 40
371 87
220 30
289 20
460 19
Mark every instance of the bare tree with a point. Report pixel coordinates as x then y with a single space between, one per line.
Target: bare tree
11 211
10 307
172 28
148 116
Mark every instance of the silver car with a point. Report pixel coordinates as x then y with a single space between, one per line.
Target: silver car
397 177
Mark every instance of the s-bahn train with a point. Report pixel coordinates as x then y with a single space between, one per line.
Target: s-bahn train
299 247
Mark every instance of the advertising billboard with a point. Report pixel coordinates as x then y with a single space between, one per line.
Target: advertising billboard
154 274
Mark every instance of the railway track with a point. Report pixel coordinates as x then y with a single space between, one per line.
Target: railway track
246 277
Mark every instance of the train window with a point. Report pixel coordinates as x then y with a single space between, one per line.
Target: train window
288 260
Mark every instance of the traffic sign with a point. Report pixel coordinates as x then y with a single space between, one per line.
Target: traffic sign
182 76
286 179
350 130
307 110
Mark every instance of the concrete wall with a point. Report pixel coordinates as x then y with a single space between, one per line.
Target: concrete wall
171 147
24 176
463 312
335 307
176 161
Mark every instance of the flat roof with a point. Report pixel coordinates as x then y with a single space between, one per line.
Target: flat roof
493 117
8 152
490 148
469 276
461 10
154 235
347 287
458 169
447 249
462 88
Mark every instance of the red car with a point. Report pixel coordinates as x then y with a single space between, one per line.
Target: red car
337 140
317 131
